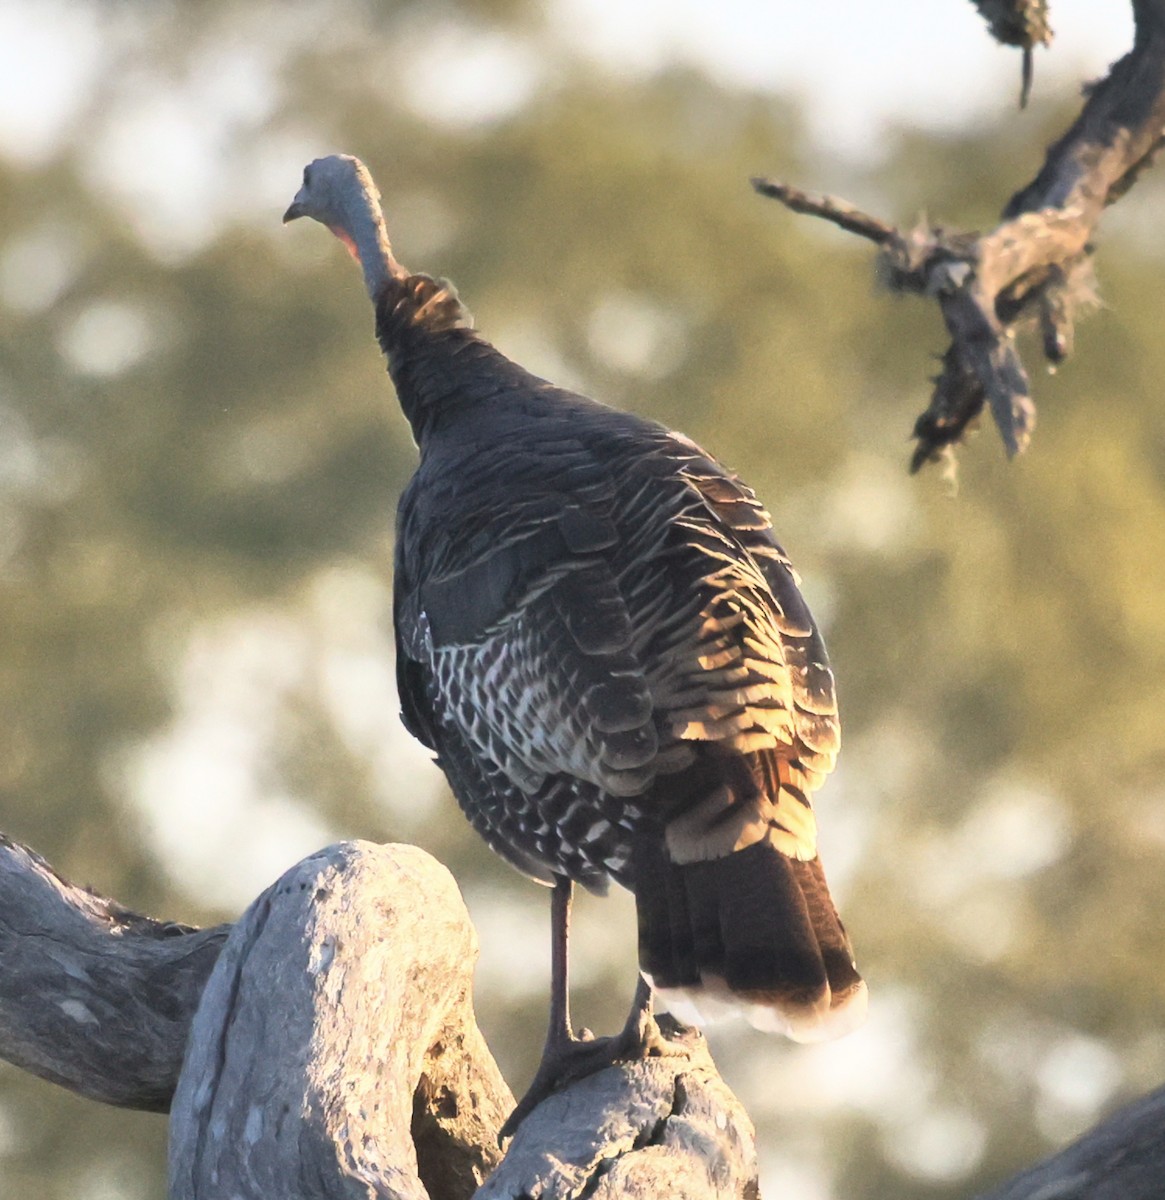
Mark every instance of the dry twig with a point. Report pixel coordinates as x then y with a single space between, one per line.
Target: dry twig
1034 267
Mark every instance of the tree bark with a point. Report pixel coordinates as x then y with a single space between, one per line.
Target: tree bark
1122 1158
659 1128
94 997
325 1046
1035 266
340 989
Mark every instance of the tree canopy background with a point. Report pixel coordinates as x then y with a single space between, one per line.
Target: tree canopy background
200 456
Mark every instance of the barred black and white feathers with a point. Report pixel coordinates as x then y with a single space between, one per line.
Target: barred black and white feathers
605 646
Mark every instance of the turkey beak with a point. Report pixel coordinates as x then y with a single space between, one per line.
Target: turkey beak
296 210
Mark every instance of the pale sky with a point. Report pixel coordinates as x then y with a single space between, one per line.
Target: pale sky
857 62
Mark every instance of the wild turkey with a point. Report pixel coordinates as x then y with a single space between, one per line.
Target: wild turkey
604 645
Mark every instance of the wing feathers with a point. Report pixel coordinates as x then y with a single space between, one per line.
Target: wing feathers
588 603
604 610
620 703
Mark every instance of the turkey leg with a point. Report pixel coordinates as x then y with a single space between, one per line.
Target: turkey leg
567 1057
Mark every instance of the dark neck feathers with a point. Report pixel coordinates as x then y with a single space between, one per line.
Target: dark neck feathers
418 302
434 357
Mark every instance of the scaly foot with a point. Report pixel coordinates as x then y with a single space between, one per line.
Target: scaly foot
567 1060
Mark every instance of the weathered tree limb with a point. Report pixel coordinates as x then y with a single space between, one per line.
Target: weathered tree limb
1034 267
332 993
331 1049
668 1127
332 1053
93 997
1123 1158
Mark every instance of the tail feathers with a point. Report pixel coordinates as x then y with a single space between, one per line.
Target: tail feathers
754 934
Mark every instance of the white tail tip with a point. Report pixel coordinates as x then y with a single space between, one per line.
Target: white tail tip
712 1001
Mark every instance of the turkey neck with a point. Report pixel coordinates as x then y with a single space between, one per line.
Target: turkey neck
438 365
362 231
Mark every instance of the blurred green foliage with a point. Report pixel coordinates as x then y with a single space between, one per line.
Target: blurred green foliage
199 445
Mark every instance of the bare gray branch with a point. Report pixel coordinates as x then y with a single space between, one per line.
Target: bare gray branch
334 993
330 1045
664 1127
93 997
1123 1158
334 1053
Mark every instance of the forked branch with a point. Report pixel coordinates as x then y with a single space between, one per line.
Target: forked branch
325 1046
1032 268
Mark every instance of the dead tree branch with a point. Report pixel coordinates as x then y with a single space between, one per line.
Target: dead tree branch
1034 267
1123 1158
93 997
325 1046
341 991
1022 23
331 1052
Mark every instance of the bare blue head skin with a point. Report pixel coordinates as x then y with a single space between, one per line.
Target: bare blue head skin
338 192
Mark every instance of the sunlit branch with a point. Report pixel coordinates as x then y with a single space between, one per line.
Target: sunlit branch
1034 267
325 1045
